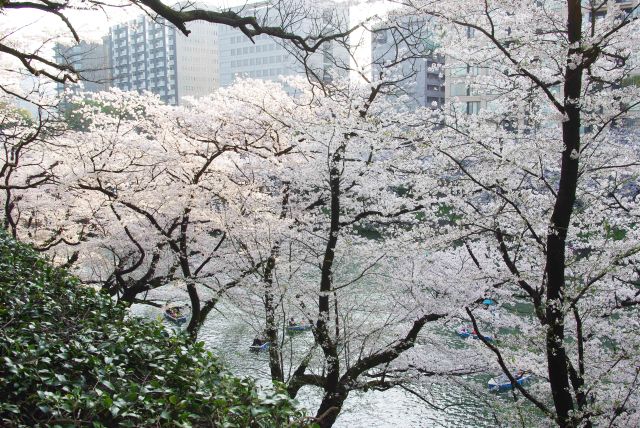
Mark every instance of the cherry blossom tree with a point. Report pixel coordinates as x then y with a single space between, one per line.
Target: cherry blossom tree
145 188
304 202
335 219
542 187
24 166
338 207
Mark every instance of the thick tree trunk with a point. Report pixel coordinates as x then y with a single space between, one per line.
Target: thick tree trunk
321 332
330 407
560 222
275 353
195 322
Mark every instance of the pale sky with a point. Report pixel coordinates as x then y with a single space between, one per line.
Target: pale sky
92 25
29 29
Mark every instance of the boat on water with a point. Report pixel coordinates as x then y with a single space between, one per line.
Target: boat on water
465 332
175 316
258 348
299 327
502 383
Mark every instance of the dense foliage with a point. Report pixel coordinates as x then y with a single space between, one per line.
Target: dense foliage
68 356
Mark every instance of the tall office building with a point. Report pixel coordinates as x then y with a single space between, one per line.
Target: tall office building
419 75
267 58
90 60
153 56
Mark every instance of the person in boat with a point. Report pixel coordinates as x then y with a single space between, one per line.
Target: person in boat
257 341
519 374
292 322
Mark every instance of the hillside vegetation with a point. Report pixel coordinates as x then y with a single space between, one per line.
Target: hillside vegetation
69 357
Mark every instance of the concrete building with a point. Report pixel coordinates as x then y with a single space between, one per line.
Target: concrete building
625 6
153 56
456 86
458 74
268 59
420 74
90 60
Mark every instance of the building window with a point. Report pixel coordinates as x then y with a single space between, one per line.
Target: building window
473 107
473 70
458 89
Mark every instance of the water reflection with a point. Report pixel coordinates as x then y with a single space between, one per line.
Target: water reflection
228 333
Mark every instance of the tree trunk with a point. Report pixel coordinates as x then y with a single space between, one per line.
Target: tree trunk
271 329
560 222
195 322
321 332
330 408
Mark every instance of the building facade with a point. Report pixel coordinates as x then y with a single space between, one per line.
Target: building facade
404 52
148 55
90 60
457 87
268 59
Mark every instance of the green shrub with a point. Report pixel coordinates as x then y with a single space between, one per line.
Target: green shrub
68 357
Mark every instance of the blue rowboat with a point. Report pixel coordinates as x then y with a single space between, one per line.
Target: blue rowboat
299 327
259 348
502 383
464 332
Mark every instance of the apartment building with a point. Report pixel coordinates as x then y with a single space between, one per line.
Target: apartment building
456 86
151 55
419 74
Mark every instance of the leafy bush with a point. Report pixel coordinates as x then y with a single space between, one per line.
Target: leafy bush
68 357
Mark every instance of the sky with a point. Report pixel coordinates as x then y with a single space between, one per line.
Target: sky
92 25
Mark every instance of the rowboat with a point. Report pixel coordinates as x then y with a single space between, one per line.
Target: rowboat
259 348
465 332
299 327
173 315
502 383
